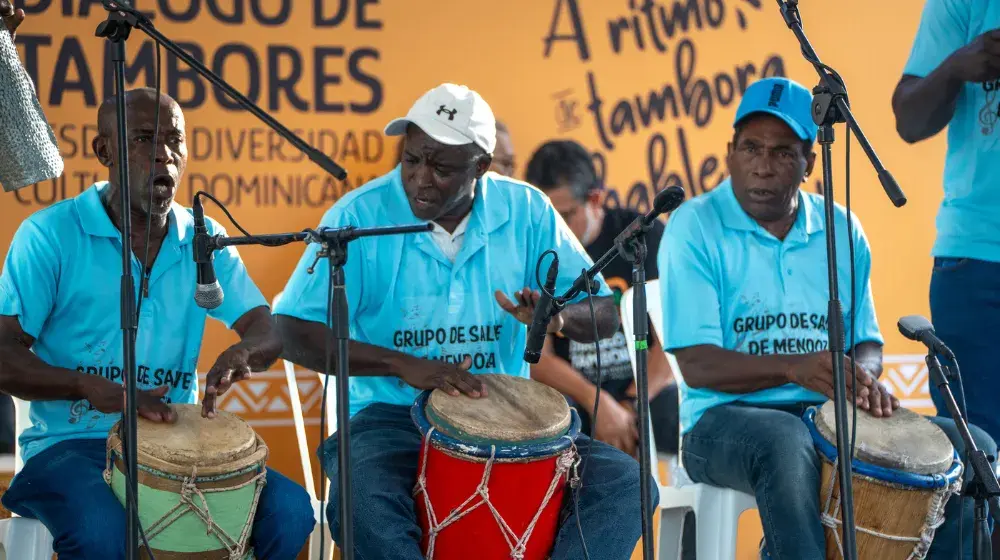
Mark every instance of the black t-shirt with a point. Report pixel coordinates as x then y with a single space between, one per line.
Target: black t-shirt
615 363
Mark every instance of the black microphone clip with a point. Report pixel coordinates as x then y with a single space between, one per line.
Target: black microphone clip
543 314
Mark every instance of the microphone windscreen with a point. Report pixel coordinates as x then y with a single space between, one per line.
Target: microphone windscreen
28 150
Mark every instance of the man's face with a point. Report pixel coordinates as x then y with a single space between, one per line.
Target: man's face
504 161
438 178
571 208
171 152
768 163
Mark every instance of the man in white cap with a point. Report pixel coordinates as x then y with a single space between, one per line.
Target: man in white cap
460 279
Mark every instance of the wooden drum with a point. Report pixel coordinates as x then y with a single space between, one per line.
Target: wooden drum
493 470
904 471
199 483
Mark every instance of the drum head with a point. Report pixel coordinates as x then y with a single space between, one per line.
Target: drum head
196 441
514 410
905 441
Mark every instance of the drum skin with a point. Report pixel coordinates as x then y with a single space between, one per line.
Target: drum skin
904 471
454 460
223 457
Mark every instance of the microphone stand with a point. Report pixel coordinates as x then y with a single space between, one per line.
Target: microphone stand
116 29
983 487
631 246
830 106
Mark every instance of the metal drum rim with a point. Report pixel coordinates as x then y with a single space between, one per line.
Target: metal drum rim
903 478
508 450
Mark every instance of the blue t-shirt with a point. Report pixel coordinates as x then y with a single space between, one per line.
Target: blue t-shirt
726 281
404 294
968 222
62 279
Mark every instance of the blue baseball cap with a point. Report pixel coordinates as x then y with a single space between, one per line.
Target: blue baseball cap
783 98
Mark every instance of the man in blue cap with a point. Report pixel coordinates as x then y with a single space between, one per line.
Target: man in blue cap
744 289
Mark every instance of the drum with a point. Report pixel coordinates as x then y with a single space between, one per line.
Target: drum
199 484
493 470
904 471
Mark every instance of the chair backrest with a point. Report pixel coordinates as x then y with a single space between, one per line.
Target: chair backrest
654 307
22 421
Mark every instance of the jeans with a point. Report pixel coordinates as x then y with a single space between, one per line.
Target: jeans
965 308
385 445
63 487
769 453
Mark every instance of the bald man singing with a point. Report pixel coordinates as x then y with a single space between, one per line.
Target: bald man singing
61 345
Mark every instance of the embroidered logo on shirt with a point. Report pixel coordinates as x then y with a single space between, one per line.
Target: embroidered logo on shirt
990 112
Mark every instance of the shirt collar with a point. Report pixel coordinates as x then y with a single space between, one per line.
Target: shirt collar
809 218
96 221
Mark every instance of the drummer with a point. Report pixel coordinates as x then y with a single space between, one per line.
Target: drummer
61 345
745 294
428 310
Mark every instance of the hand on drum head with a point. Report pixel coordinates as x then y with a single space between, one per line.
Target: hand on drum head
109 397
879 403
524 310
231 366
11 18
452 379
815 372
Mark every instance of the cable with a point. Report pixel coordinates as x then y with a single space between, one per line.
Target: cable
597 400
322 414
144 283
965 458
854 311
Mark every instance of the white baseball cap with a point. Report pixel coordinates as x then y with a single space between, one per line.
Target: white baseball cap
453 115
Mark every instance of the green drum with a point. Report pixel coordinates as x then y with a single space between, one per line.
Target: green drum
199 484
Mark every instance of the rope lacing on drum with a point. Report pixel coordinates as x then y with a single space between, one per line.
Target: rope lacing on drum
566 462
237 548
830 517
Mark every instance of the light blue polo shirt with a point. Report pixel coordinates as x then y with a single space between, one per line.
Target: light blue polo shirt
62 279
726 281
404 294
968 221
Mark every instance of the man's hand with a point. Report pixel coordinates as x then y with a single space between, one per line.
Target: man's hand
231 366
616 425
979 61
452 379
109 397
11 18
524 310
815 372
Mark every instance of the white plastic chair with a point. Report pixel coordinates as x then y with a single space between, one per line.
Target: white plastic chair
22 538
717 510
321 533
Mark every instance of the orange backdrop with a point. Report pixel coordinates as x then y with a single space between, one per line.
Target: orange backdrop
650 87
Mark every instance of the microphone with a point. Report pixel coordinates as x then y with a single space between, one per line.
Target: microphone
31 153
540 320
208 293
915 327
666 201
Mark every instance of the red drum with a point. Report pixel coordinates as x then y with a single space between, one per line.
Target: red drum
493 470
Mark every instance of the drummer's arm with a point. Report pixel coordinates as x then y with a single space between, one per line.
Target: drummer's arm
27 377
869 356
259 337
707 366
305 341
